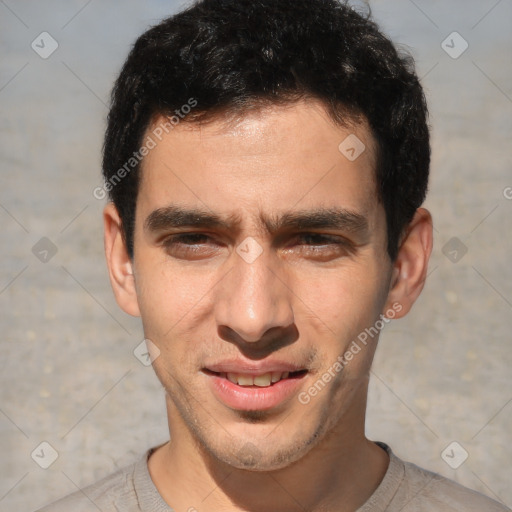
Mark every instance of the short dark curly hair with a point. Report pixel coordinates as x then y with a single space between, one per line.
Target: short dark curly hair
230 56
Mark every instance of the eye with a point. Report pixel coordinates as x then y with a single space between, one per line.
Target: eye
319 246
318 239
190 245
187 238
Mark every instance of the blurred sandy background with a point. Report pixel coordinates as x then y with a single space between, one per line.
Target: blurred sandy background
68 373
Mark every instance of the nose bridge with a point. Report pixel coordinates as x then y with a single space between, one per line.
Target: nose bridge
253 297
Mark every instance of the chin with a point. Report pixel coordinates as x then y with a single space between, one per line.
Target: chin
263 455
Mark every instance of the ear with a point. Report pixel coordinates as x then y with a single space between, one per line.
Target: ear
410 267
119 263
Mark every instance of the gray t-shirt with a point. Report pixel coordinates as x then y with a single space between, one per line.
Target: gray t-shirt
404 488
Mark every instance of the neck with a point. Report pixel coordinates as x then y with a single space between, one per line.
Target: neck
340 473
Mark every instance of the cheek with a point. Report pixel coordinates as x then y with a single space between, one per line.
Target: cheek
345 298
172 304
166 296
342 306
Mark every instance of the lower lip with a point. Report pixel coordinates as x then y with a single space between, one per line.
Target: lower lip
253 398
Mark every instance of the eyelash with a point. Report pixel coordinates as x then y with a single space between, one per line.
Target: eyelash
190 243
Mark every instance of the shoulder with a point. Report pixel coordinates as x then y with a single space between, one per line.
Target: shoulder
425 491
104 495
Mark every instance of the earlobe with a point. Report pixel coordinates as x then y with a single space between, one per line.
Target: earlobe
120 266
411 265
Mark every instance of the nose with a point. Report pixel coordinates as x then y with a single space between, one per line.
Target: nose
253 298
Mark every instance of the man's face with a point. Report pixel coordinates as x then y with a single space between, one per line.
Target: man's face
285 266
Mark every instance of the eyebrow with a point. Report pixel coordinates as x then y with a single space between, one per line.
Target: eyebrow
174 216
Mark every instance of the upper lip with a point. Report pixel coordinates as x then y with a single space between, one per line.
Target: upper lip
253 367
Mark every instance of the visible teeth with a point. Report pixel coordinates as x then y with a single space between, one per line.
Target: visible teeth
245 380
260 380
276 376
263 380
232 378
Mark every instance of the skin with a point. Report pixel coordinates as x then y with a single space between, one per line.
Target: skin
303 300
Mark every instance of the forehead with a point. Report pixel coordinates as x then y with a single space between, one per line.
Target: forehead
276 159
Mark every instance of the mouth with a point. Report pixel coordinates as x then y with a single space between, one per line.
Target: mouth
254 391
262 380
